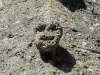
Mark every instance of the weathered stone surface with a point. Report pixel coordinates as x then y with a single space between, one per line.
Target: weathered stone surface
19 25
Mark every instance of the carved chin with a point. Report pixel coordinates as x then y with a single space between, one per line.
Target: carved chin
46 46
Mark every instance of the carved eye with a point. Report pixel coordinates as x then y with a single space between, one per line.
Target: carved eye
40 28
52 28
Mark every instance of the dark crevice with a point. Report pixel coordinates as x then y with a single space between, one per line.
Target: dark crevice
74 5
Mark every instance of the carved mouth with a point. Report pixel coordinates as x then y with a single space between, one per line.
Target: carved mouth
47 37
47 41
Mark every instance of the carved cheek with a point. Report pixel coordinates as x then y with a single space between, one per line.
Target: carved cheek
38 36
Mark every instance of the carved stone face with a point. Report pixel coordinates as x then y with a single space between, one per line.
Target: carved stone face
47 36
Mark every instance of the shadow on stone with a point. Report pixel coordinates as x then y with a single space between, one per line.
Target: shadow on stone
74 5
63 60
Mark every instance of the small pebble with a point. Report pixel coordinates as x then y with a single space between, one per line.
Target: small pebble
32 51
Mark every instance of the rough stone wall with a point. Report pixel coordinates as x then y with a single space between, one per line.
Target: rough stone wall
81 38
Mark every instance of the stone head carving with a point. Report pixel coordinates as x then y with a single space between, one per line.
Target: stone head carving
47 36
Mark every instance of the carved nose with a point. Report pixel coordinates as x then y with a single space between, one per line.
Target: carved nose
44 37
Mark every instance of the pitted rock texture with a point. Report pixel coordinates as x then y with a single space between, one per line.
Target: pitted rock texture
19 20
